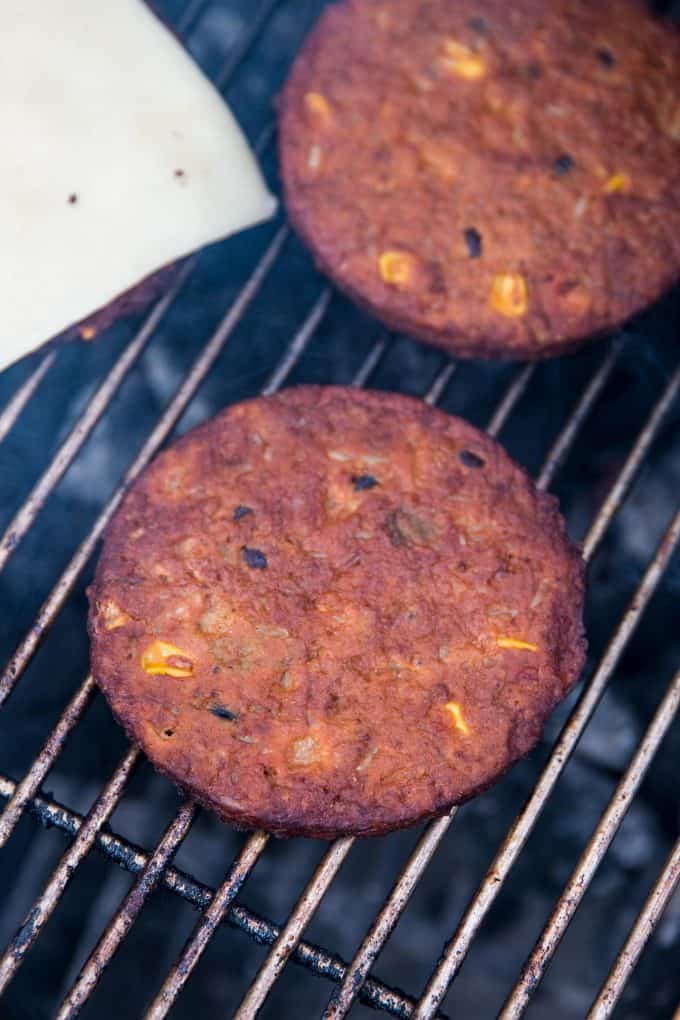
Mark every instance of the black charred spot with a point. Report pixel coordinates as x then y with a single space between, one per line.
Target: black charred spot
473 240
72 198
255 558
168 733
478 24
470 459
363 482
606 57
222 712
242 511
563 164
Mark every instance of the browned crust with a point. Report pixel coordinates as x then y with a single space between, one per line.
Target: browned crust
381 600
130 302
409 157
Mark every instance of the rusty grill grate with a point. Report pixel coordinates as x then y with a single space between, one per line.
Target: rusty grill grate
394 358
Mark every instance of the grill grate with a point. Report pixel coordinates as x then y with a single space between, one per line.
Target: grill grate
353 979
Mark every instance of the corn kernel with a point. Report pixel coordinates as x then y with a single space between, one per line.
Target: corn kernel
458 721
508 642
509 295
112 615
463 61
396 268
87 332
160 658
317 106
620 182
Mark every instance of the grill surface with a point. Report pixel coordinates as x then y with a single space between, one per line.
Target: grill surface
252 315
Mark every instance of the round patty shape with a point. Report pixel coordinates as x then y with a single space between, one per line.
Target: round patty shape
332 611
497 178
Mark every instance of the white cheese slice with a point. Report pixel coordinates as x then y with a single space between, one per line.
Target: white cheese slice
118 157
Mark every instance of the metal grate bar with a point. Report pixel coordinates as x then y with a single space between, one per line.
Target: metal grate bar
133 859
24 394
565 439
186 22
207 926
642 930
255 27
291 934
371 363
434 394
27 513
28 786
459 945
630 469
515 393
383 926
300 341
592 856
43 907
160 433
128 912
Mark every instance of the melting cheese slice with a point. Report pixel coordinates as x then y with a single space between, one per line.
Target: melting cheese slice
118 157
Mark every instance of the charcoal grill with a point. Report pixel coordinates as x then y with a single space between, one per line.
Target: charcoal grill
552 415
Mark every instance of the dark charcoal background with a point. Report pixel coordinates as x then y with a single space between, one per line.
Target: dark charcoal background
336 351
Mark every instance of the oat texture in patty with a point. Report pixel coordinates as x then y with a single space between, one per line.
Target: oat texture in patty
497 178
333 611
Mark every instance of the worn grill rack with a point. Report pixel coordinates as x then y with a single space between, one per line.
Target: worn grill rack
151 868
